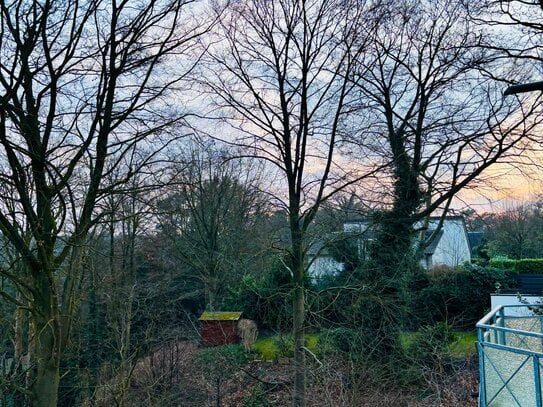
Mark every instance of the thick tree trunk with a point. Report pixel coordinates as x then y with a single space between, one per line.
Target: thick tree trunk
394 261
46 342
18 349
47 360
393 250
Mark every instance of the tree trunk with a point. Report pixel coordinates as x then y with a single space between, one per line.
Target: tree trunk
18 349
218 392
46 342
47 359
299 341
298 319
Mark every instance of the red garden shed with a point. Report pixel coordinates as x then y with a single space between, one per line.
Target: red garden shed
219 328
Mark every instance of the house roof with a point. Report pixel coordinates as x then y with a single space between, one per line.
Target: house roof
322 245
357 218
448 217
220 316
430 249
318 247
475 238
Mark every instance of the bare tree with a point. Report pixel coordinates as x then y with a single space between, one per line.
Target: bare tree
82 86
431 108
278 73
213 222
515 31
515 232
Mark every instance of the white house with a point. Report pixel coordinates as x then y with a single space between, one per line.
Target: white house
448 246
322 262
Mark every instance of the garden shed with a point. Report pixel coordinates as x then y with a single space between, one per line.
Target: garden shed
219 328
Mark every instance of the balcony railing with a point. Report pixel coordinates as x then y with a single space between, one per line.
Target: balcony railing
510 347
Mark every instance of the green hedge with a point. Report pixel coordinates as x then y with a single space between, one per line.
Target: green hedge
460 296
534 266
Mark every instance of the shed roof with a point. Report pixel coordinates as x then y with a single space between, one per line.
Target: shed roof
220 316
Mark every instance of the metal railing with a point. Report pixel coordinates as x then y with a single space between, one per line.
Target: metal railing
510 348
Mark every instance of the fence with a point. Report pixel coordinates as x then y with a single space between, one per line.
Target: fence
510 347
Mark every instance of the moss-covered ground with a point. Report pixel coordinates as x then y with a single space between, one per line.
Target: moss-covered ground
272 348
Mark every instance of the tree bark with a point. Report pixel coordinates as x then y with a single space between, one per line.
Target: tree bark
298 312
46 351
299 340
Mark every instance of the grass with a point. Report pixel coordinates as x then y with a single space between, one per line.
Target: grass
463 346
266 348
277 346
272 348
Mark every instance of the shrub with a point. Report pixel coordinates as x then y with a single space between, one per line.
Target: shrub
222 359
503 263
432 342
461 296
532 266
339 340
426 352
284 345
264 298
359 346
526 266
219 363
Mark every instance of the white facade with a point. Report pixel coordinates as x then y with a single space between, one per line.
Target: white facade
323 265
452 249
360 226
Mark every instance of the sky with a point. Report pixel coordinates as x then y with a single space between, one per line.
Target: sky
511 185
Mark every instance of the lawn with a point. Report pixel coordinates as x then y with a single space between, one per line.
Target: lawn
277 346
272 348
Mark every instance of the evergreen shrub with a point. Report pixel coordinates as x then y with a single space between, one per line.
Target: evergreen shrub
524 266
460 296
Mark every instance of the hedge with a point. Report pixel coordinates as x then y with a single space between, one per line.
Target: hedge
533 266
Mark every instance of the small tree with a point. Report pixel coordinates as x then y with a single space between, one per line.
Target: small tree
214 222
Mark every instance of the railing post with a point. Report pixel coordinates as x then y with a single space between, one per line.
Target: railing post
502 324
541 330
480 351
537 381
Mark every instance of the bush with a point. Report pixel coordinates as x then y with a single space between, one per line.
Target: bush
284 345
525 266
529 266
431 342
265 298
460 296
219 363
502 263
428 350
220 360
